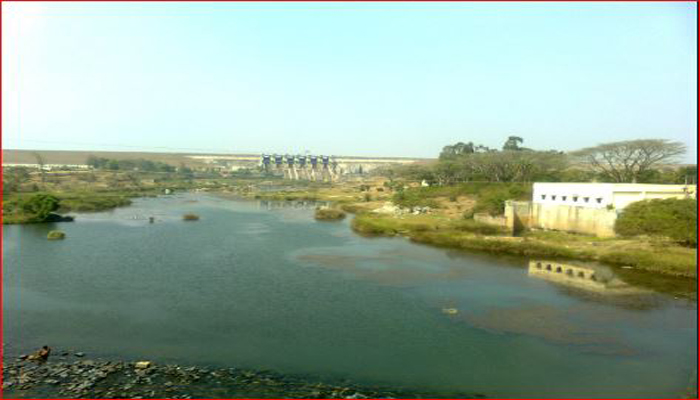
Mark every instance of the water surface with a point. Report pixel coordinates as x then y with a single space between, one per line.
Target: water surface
262 285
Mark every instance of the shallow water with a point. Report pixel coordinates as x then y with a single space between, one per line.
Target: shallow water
264 285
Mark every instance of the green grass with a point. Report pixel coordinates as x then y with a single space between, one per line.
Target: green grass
372 224
668 262
501 245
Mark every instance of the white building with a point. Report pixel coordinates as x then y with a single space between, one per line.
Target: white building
606 195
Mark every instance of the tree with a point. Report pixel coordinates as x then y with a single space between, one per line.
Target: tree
626 161
13 178
40 161
456 150
40 206
512 143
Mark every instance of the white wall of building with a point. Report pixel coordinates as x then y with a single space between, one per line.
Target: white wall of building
604 195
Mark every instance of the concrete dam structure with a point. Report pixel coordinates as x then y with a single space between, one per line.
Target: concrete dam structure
303 167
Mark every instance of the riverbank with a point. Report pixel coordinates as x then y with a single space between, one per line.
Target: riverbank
445 225
69 202
68 376
665 265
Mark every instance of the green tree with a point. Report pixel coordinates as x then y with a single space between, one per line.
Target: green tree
40 206
512 143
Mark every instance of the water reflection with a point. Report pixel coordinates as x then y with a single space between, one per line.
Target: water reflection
591 277
293 204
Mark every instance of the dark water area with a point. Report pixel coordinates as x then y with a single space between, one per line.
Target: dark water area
261 285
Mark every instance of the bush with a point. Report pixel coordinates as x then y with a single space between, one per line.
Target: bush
329 214
493 200
676 219
40 206
56 235
190 217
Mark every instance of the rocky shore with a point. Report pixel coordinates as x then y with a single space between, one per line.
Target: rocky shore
73 376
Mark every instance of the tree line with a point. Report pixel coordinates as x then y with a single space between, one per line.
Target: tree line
139 164
620 162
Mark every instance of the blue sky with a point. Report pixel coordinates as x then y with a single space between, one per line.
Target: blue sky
366 79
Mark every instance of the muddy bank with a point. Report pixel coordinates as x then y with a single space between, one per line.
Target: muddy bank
73 376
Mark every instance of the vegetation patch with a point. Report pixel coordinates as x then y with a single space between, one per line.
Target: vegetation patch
190 217
373 224
56 235
479 228
503 245
668 262
329 214
673 218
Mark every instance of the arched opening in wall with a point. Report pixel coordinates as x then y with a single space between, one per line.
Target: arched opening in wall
593 278
549 267
539 265
559 269
569 272
581 274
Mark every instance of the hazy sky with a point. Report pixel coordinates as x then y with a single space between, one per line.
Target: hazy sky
386 79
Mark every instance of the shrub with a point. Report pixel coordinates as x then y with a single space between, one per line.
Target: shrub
40 206
492 200
190 217
329 214
673 218
56 235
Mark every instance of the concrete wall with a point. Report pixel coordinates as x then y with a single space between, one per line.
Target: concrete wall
594 221
589 208
605 195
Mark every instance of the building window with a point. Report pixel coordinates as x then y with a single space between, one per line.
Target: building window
544 196
599 200
575 199
585 199
554 197
563 198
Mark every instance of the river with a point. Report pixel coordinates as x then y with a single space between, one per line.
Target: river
264 285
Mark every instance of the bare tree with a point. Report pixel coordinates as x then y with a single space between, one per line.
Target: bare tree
40 161
626 161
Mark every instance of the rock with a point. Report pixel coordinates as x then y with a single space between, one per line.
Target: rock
80 354
142 364
450 311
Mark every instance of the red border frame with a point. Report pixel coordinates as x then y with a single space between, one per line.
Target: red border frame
697 149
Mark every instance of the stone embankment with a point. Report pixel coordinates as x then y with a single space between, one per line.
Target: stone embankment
73 376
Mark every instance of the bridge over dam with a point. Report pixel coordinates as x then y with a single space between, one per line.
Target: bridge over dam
308 167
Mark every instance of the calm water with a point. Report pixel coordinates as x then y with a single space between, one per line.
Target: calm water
263 286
